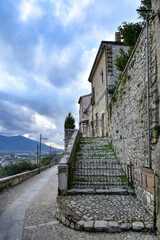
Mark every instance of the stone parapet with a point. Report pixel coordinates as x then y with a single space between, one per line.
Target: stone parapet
67 136
65 163
19 178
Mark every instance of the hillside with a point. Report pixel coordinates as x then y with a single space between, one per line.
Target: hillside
22 144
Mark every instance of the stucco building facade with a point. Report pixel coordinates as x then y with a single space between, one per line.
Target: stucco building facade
103 78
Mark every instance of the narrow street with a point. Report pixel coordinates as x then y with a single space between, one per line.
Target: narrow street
28 212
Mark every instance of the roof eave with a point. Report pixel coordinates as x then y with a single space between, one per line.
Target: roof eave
100 50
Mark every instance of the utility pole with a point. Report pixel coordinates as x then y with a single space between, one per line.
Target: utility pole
50 154
37 153
40 150
38 160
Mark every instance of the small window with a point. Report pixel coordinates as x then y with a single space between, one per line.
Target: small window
101 78
96 120
93 96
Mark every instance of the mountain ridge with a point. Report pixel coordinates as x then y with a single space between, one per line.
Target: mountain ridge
22 144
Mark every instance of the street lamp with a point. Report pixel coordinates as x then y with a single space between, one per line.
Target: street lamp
40 150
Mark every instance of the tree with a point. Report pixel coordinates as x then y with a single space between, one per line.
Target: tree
130 32
122 59
69 122
145 5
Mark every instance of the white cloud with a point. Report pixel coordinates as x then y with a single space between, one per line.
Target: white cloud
30 9
42 122
52 144
132 3
26 135
45 59
71 11
10 83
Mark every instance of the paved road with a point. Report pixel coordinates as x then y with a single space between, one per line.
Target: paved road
28 213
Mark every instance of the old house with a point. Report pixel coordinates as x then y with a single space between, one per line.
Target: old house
103 78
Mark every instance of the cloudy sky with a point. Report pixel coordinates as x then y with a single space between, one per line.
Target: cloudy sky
47 48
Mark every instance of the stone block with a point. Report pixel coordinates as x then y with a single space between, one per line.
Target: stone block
113 226
100 226
79 225
72 225
62 179
63 219
125 226
137 226
67 223
88 225
149 226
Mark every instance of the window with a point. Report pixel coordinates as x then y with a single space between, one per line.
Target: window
93 96
101 78
96 120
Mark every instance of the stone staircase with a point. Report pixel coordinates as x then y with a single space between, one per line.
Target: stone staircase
99 198
96 169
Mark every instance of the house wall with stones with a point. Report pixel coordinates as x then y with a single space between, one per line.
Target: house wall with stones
127 114
99 102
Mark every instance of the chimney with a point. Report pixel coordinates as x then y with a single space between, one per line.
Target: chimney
117 37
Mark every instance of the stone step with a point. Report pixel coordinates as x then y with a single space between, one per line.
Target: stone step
96 175
111 190
92 155
96 166
95 158
98 185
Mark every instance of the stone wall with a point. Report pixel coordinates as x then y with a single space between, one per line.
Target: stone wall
19 178
127 118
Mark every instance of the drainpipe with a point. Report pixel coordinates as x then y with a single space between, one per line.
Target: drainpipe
148 100
149 144
154 203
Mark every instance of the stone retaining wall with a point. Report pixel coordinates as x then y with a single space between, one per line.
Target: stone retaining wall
19 178
128 128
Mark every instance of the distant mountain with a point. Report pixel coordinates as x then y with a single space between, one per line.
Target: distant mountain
22 144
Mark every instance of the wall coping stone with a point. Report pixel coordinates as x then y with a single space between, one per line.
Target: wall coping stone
13 180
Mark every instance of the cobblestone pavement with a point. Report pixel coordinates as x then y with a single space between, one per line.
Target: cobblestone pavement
40 222
108 207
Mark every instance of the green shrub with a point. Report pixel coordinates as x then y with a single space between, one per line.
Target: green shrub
19 168
122 59
156 128
113 99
